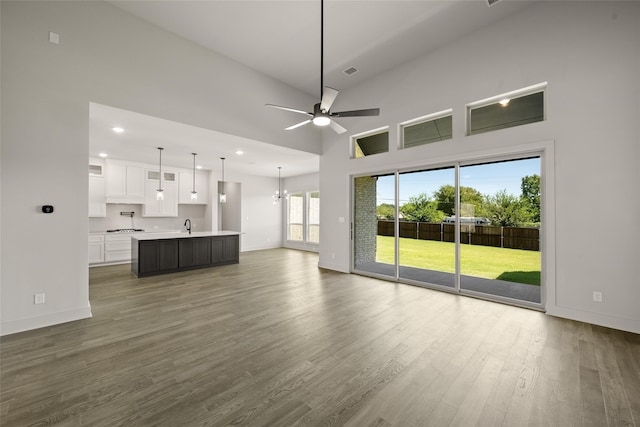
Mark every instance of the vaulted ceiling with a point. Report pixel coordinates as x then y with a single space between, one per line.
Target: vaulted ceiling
282 39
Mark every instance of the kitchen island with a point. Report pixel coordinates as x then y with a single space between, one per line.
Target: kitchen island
160 253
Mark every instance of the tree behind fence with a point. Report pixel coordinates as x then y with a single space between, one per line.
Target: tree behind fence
527 238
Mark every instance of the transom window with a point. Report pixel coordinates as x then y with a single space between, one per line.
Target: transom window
425 130
508 110
372 142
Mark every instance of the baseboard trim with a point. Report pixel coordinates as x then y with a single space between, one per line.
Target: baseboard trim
22 325
331 266
260 248
614 322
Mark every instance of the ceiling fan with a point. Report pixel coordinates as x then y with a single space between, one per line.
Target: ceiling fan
322 114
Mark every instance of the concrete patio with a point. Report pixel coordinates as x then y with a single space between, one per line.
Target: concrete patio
517 291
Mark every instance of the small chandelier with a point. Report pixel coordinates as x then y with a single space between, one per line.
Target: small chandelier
222 196
159 191
279 194
194 193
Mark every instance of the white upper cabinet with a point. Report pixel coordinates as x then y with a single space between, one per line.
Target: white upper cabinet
97 201
125 182
168 207
186 187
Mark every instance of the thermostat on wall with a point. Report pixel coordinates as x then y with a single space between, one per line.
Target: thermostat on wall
47 208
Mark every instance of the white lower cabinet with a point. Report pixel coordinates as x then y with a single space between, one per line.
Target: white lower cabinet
96 249
117 248
109 248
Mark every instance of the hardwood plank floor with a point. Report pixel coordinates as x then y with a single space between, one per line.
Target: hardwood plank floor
275 341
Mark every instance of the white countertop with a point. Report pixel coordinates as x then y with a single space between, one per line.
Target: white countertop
106 233
183 235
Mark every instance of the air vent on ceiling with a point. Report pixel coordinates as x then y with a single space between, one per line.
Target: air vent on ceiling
352 70
492 2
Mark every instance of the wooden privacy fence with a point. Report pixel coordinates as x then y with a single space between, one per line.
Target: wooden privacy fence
527 238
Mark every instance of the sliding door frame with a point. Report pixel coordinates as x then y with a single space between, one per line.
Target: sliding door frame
544 150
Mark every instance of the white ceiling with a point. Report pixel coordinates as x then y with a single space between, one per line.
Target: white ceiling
143 134
282 39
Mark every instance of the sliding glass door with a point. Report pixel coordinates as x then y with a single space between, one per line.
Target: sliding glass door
500 231
471 228
426 249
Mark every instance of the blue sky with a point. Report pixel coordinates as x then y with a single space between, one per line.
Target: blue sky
486 178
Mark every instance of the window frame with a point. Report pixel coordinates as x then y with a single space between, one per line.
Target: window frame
423 119
304 243
372 132
519 93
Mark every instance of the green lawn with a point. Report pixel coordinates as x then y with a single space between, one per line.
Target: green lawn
513 265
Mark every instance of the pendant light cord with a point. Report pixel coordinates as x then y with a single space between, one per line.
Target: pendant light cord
222 158
321 48
160 169
194 172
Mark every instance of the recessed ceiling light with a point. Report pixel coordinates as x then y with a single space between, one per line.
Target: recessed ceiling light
103 155
118 130
504 102
239 152
199 167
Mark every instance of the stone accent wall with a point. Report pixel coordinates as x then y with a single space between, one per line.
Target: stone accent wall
366 222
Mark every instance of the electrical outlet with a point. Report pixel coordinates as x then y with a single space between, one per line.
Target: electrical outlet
38 299
597 296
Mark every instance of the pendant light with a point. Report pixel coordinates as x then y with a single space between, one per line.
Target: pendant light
222 195
279 194
159 191
194 193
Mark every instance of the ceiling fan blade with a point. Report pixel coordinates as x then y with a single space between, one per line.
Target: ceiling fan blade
357 113
336 127
298 125
328 96
289 109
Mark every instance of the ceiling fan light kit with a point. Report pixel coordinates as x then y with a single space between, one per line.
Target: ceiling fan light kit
322 115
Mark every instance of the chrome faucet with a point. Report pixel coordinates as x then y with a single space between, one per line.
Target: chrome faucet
188 221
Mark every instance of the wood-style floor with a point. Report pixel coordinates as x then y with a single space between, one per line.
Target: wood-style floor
275 341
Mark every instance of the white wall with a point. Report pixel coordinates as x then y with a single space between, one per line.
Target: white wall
588 53
112 58
261 218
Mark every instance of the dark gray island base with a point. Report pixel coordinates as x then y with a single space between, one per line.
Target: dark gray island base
169 253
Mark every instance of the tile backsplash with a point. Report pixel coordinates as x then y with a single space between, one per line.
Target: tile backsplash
114 220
